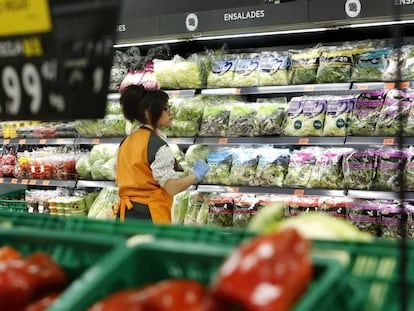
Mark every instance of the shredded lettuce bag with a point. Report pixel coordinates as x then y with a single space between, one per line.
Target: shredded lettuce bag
301 164
314 110
270 116
392 115
244 164
370 65
359 169
222 71
189 73
215 120
179 207
338 113
242 120
164 73
247 70
274 68
272 167
295 118
304 65
335 65
220 165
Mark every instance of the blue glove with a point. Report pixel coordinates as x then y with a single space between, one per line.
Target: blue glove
200 169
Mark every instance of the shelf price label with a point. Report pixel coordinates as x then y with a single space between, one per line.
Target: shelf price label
53 66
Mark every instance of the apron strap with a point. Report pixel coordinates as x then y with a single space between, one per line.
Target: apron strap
121 206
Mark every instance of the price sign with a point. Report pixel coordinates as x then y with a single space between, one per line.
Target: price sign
55 58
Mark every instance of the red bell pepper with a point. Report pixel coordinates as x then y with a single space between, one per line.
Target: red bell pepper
268 273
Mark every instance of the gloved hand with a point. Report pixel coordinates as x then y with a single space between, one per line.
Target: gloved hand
200 169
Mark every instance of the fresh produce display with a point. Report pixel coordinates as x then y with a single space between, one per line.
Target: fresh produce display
314 110
390 162
301 164
365 215
359 169
215 120
222 71
29 282
247 72
220 165
392 116
245 207
243 166
101 207
270 116
272 167
370 65
220 211
242 120
274 68
338 115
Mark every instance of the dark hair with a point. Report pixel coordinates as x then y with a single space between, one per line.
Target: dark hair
135 99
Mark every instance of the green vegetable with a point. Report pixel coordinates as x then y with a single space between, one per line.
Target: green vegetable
365 215
222 71
220 211
366 113
294 119
268 218
359 169
220 165
243 168
190 73
247 70
215 120
102 206
108 169
314 109
274 69
272 167
270 117
370 65
245 208
83 167
304 65
179 207
163 71
195 201
335 65
337 118
242 120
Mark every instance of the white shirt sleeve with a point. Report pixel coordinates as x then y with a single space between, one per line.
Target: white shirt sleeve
163 166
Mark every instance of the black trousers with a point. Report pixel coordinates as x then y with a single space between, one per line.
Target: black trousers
140 211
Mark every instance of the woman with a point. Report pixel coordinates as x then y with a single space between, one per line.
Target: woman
145 168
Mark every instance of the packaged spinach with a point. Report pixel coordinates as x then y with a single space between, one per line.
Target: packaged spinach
222 71
394 220
370 65
389 165
274 68
220 211
365 215
295 118
335 65
243 167
327 172
272 167
366 113
270 116
301 163
242 120
220 162
338 115
392 114
304 65
314 109
247 70
407 62
359 169
245 207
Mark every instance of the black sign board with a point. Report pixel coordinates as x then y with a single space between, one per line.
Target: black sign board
55 58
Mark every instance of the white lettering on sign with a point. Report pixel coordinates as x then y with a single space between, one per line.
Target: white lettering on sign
235 16
11 48
404 2
121 28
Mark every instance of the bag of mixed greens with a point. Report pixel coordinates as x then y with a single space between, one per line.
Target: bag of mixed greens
300 166
327 172
245 208
272 167
408 172
189 73
409 207
270 116
247 70
392 115
294 118
196 152
195 201
183 128
101 208
314 109
370 65
243 167
179 207
301 204
334 206
274 68
188 108
222 71
407 62
366 113
220 211
242 120
215 120
407 104
394 220
338 114
389 163
335 64
391 72
220 165
304 65
365 215
359 169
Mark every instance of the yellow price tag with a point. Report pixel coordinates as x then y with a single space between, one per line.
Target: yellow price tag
23 17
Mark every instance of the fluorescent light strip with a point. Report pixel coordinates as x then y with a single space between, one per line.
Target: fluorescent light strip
380 24
148 43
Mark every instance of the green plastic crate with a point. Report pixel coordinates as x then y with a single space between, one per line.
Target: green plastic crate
164 259
75 253
373 273
12 205
125 229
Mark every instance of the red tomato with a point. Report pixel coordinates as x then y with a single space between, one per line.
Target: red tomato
268 273
168 295
8 253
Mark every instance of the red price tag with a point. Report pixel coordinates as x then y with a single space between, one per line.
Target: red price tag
389 86
223 141
388 141
299 192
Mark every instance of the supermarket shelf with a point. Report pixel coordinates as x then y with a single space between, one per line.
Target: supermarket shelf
98 140
181 140
181 93
95 183
378 140
373 194
38 182
272 140
270 190
375 86
38 141
114 96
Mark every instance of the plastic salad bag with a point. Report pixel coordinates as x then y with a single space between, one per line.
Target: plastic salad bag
359 169
338 114
335 64
247 71
274 68
270 116
220 161
272 166
244 164
304 65
222 71
242 120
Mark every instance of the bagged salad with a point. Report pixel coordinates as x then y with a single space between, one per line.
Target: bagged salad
274 68
335 65
370 65
272 166
220 211
301 163
222 71
314 110
220 161
389 163
392 115
304 65
242 120
270 116
216 116
179 207
338 115
189 73
245 207
244 165
359 169
365 215
294 118
247 70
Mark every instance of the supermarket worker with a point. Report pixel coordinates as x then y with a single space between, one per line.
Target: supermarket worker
146 173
